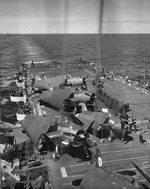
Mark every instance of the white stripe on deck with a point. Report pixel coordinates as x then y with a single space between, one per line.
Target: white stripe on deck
63 172
81 164
124 150
126 159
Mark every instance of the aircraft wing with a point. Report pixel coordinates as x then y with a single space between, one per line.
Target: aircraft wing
39 124
42 84
32 170
54 134
99 117
74 99
72 118
142 173
99 177
55 98
6 126
83 125
106 120
46 83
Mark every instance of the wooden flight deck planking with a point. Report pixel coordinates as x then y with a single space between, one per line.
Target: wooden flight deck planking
116 156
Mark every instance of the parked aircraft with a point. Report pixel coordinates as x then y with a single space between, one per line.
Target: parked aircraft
66 99
107 125
58 82
50 83
75 81
78 102
67 134
99 177
103 120
60 131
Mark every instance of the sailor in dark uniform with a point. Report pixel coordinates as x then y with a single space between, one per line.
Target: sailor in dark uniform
124 126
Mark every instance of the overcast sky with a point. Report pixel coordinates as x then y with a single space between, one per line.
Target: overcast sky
74 16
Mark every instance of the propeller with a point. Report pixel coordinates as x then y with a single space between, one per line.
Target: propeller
81 137
86 147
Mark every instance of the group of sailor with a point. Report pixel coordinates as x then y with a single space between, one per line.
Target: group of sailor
128 125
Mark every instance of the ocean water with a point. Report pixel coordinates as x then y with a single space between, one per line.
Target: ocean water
123 53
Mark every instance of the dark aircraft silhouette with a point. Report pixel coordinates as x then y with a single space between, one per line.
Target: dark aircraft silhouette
59 82
98 177
52 132
66 99
107 123
68 135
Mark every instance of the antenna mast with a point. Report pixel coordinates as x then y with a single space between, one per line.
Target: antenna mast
98 64
144 71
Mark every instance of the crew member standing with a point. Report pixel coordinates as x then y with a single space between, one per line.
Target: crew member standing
141 133
124 126
111 136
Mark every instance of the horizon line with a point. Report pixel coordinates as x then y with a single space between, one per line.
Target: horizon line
69 33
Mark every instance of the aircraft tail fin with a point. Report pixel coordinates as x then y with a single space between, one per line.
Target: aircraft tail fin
142 173
93 98
90 125
106 120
